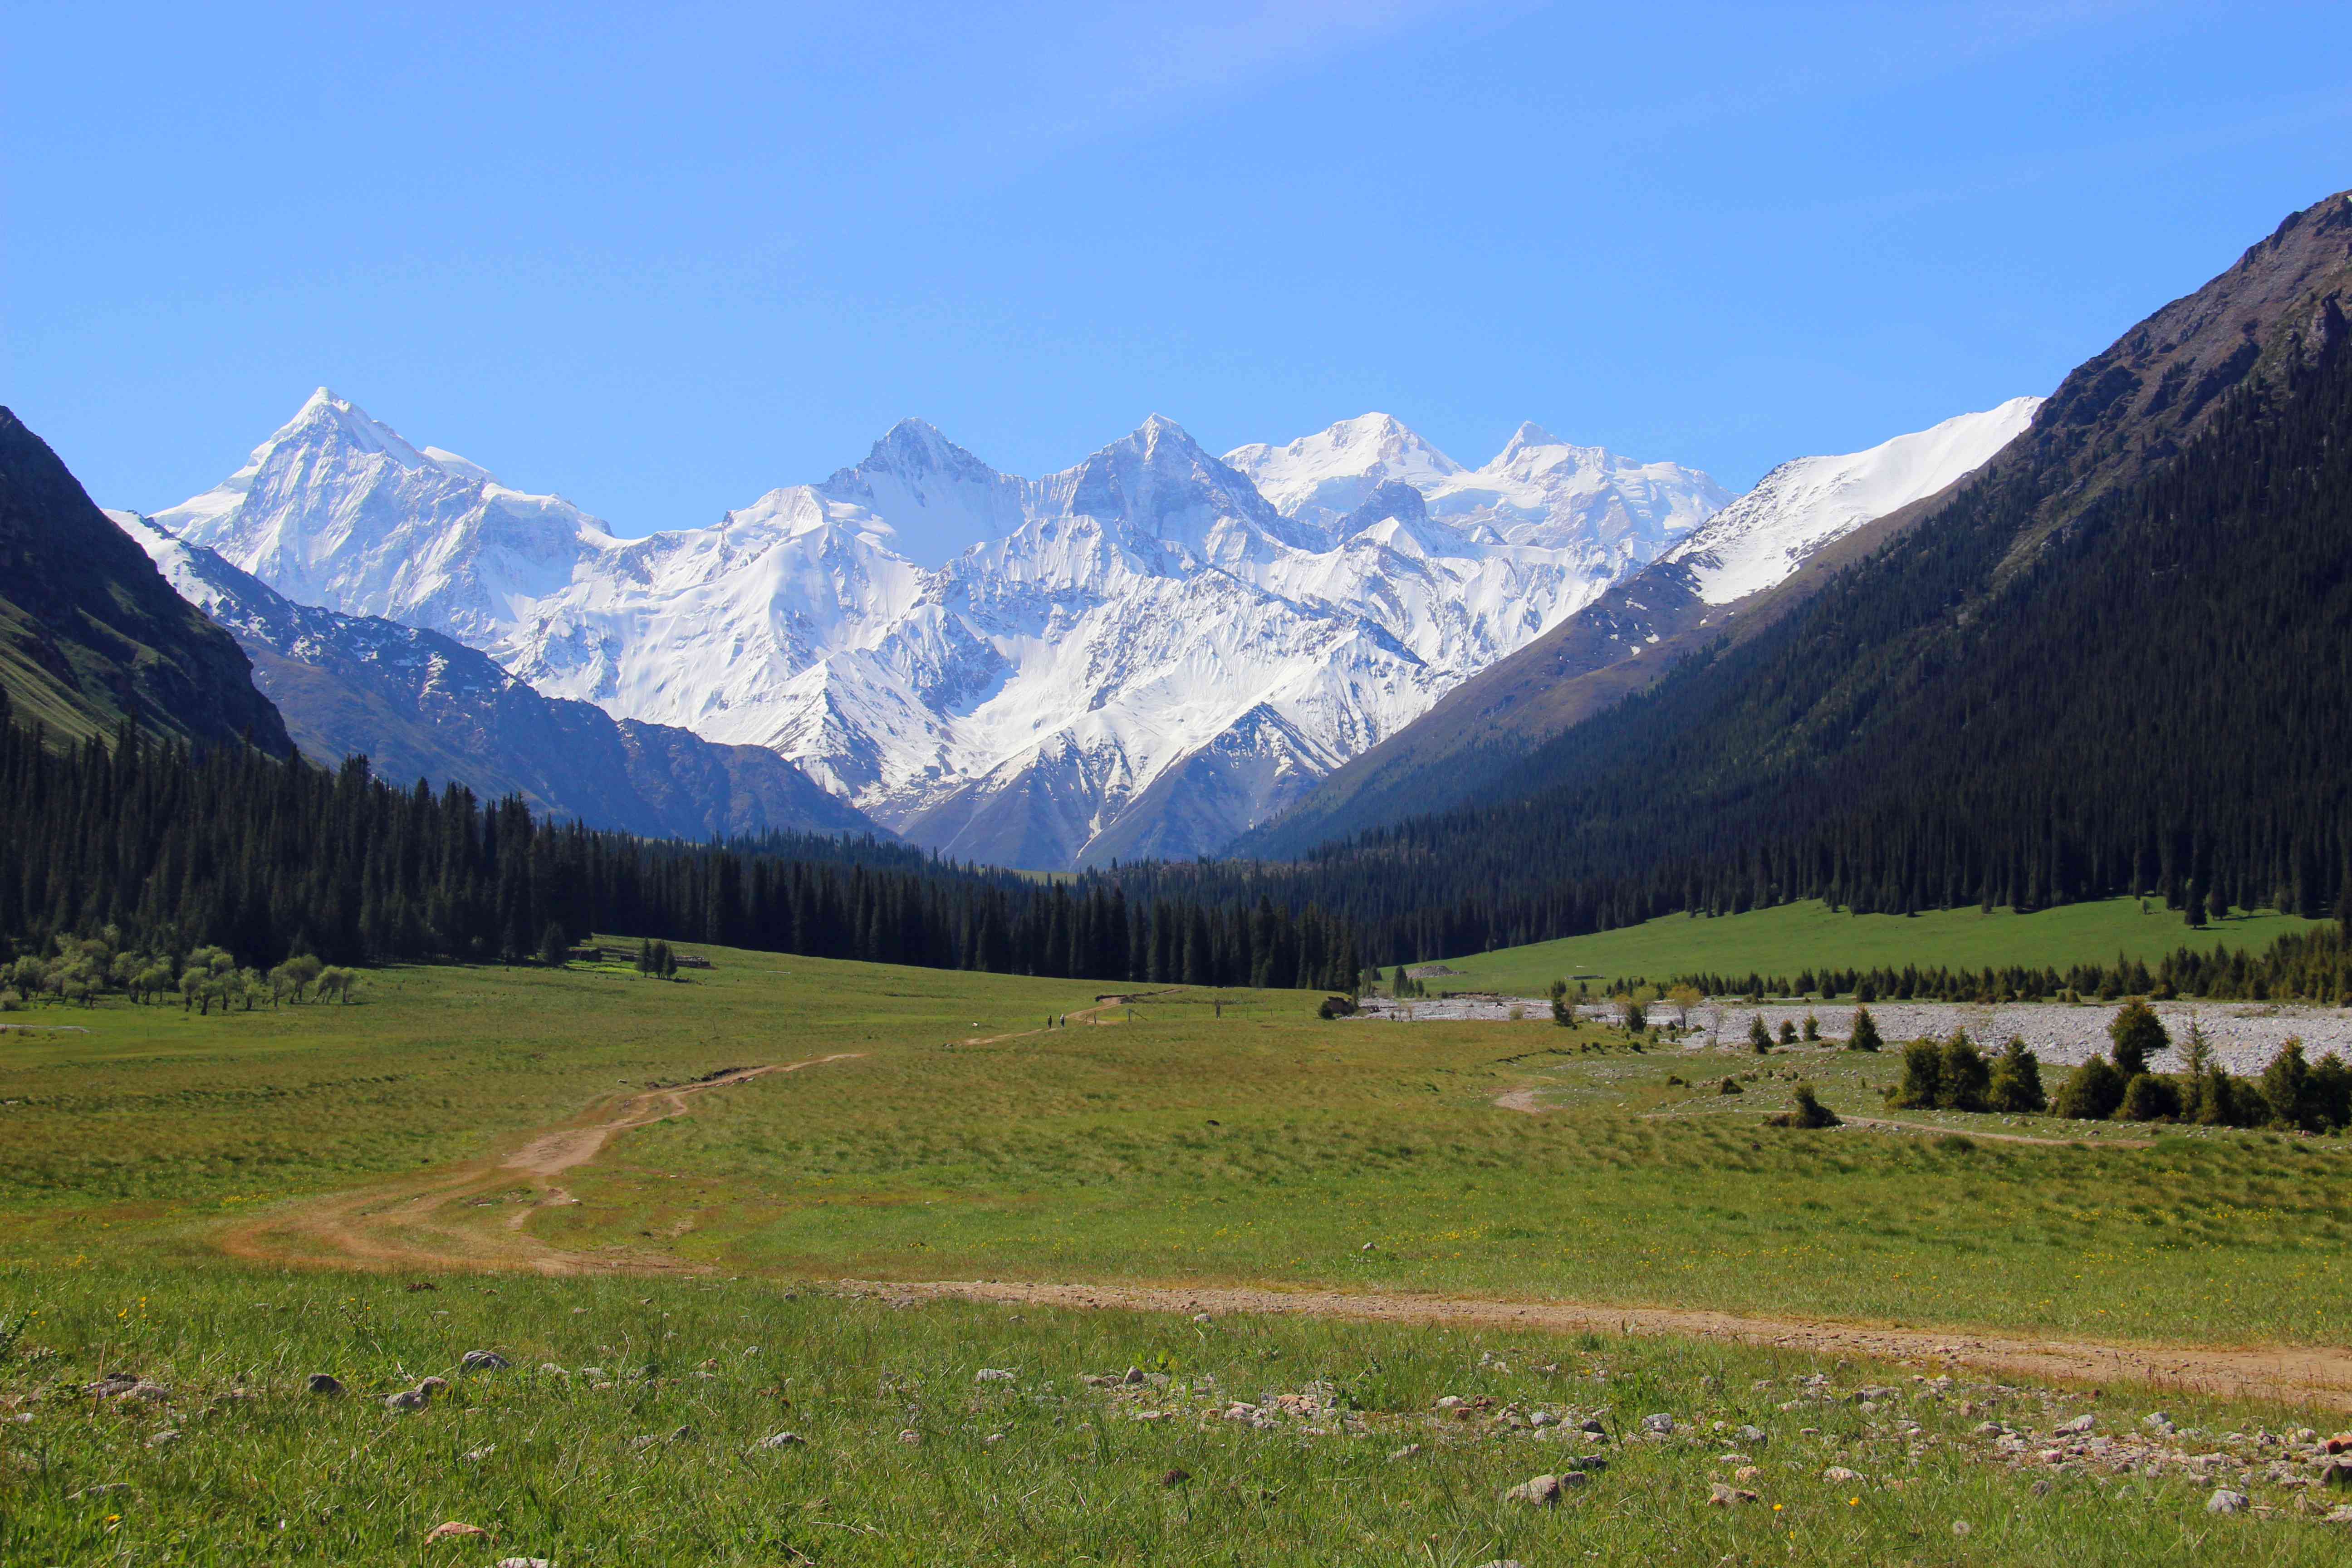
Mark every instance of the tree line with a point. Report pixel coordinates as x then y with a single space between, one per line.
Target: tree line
2313 966
173 849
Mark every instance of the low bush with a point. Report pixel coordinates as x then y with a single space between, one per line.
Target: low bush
2091 1093
2016 1085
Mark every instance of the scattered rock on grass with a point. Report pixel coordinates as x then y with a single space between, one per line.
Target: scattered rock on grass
912 1437
1544 1492
2227 1501
484 1360
524 1562
455 1530
1841 1475
1722 1494
1661 1426
1410 1451
992 1375
326 1384
407 1399
1175 1477
2077 1427
783 1440
169 1435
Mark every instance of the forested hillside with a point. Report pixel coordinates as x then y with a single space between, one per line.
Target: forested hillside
2071 683
169 850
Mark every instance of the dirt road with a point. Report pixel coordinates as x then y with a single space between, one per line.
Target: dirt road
2320 1376
416 1222
422 1223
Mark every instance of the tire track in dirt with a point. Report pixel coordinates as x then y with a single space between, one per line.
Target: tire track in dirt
2319 1376
408 1224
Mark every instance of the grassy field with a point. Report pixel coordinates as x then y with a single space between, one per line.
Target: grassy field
629 1431
1192 1137
1233 1139
1811 935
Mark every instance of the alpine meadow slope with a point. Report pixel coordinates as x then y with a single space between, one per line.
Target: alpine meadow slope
1138 655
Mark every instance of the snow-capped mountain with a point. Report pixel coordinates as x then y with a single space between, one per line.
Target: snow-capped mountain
1725 577
1538 489
1805 503
1142 653
336 509
422 705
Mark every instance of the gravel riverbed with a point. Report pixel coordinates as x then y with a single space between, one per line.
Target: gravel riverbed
2245 1034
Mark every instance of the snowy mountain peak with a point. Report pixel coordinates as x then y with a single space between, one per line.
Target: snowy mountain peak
325 416
1322 477
1529 434
337 508
1159 481
939 499
1807 502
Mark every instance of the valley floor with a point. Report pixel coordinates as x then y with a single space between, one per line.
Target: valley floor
1301 1234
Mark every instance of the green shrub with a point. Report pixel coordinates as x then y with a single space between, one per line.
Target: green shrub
1636 1020
1965 1077
2331 1091
1866 1032
1812 1028
2286 1085
1808 1111
2148 1097
2016 1086
2138 1034
1731 1086
1759 1039
2091 1092
1788 1032
1922 1088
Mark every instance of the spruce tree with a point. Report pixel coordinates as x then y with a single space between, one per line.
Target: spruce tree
1865 1037
2138 1034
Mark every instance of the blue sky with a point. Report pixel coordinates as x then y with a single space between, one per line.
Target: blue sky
664 260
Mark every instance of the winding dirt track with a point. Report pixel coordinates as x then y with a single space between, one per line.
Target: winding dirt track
417 1223
410 1223
2315 1376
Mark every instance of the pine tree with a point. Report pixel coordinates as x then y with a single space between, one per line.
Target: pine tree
1864 1035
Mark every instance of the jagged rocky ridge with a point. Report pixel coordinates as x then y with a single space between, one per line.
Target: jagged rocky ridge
1142 655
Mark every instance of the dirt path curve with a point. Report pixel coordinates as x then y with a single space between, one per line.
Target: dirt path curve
1088 1015
416 1222
412 1222
2315 1376
2002 1137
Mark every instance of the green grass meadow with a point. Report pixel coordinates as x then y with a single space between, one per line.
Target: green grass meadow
1787 938
1215 1138
628 1432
